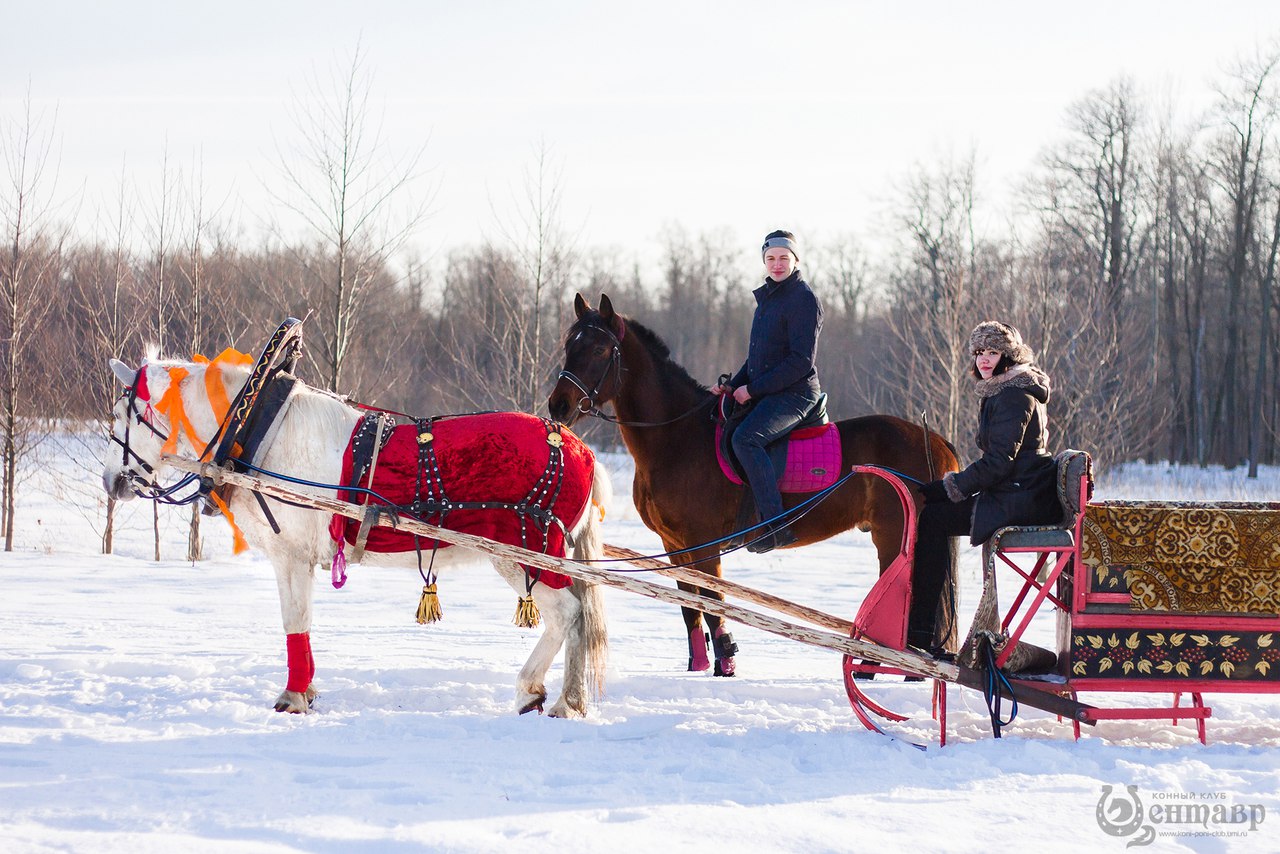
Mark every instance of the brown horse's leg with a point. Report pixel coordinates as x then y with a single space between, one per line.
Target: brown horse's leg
695 634
721 641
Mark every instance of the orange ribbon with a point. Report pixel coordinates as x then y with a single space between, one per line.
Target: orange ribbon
171 406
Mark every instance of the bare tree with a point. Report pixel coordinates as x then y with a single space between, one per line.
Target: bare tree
104 292
1098 198
193 271
344 182
161 224
545 254
932 303
30 262
1247 110
706 309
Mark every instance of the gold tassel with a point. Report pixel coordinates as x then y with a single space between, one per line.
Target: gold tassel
527 616
429 610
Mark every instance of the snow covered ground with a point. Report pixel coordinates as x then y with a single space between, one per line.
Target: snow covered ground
135 715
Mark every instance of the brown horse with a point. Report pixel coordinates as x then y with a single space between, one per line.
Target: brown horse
679 489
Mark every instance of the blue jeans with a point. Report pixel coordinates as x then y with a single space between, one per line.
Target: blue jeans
769 420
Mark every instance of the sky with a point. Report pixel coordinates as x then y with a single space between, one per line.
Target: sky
135 714
730 118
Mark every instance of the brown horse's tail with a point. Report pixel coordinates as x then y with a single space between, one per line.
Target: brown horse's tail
928 446
944 456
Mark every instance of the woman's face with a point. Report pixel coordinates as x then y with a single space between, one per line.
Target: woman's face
986 361
779 262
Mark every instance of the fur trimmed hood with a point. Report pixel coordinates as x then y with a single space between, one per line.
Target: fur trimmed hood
1028 377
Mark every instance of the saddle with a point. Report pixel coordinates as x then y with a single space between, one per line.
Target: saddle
807 459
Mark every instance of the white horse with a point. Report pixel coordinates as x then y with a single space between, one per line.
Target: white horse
312 435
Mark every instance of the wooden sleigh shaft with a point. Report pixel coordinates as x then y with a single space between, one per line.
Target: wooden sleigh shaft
825 637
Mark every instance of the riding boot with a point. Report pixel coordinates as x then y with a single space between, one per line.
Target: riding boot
778 537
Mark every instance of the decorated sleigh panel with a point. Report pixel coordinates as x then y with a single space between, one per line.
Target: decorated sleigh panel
1176 596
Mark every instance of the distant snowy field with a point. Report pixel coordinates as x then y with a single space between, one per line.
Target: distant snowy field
135 713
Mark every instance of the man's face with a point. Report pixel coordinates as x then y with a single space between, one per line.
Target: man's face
779 262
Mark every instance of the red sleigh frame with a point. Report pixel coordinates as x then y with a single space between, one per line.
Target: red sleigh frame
1047 567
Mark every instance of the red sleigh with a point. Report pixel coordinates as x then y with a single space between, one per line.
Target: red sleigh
1150 598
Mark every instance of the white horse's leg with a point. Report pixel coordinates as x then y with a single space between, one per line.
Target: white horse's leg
531 689
563 607
295 579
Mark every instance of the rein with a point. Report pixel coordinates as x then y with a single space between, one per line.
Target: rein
588 405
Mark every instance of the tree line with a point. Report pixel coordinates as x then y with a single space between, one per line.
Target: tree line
1138 259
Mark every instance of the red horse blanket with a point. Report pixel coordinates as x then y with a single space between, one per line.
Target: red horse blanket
506 476
813 459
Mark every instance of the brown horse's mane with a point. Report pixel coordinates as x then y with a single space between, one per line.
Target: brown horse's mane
670 371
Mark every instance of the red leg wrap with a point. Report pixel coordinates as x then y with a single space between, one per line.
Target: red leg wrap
302 667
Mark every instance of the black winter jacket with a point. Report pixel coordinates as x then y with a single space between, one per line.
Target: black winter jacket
784 340
1015 480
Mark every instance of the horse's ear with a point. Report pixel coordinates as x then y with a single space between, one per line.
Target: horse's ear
580 305
125 374
610 316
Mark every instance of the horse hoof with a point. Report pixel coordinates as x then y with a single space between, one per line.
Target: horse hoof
294 702
532 705
725 667
563 709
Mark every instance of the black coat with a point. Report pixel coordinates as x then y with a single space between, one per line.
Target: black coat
784 340
1015 480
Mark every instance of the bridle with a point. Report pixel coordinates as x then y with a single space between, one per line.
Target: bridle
139 485
589 404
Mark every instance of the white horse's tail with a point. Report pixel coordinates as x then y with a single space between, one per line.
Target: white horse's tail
589 545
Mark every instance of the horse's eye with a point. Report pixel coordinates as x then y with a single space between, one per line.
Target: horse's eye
601 351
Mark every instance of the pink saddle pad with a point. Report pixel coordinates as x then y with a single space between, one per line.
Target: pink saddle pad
813 459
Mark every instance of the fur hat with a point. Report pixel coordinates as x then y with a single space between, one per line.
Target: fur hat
784 239
994 335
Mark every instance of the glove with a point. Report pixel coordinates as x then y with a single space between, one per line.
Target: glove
934 492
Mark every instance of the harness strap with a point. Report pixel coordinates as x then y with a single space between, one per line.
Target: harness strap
428 476
372 511
370 438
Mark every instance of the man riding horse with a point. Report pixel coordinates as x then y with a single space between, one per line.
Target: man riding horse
780 375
